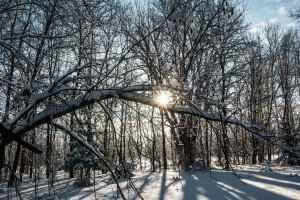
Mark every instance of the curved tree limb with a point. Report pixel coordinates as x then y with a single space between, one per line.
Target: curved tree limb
125 93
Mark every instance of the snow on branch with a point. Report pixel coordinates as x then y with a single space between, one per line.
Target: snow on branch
35 100
61 109
76 137
53 89
125 93
190 111
92 149
66 78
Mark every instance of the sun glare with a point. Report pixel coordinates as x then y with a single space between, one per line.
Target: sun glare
163 98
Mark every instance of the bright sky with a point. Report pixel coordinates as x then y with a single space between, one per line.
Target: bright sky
261 11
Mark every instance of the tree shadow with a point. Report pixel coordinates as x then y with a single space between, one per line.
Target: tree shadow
196 185
142 186
162 186
200 186
273 178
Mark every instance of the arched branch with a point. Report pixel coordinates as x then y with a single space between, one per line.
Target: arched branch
126 93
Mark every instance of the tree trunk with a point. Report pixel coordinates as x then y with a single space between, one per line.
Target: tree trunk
254 150
48 151
165 164
15 166
207 144
153 142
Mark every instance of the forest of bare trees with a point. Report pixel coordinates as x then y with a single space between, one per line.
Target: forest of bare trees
79 82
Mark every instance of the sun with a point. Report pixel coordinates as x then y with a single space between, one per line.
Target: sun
163 98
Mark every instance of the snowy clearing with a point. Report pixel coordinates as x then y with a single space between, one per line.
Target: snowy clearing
255 183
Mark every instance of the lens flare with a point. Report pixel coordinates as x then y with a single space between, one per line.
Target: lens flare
163 98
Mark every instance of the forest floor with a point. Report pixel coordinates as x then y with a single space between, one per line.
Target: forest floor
248 182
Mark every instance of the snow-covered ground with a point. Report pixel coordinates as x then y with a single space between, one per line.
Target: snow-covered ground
256 182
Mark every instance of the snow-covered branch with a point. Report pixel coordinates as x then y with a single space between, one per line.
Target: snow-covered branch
187 110
125 93
61 109
92 150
